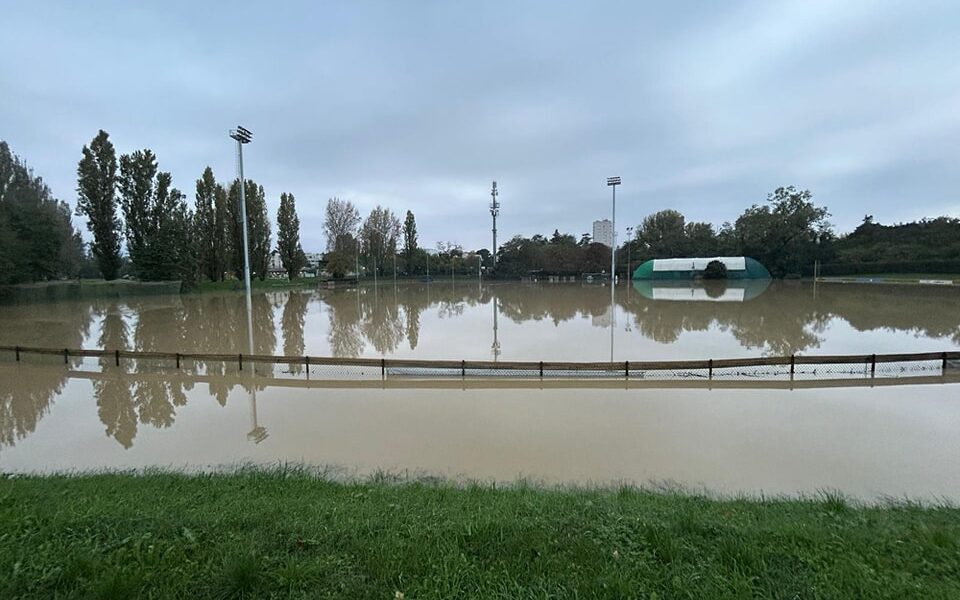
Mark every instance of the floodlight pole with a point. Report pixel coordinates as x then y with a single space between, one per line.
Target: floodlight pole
243 136
613 182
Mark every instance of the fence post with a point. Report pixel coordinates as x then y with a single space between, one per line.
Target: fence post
626 369
873 365
178 360
383 369
710 369
943 364
66 355
306 363
541 369
793 364
116 357
463 368
18 356
240 360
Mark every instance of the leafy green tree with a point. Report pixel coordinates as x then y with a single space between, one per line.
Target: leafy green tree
786 234
37 238
96 198
138 173
700 240
211 226
662 235
379 235
258 228
410 241
288 236
158 224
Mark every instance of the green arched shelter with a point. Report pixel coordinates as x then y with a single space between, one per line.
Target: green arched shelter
738 267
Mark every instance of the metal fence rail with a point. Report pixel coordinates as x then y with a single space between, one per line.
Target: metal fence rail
771 367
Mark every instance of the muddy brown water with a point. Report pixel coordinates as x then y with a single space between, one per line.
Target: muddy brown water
866 441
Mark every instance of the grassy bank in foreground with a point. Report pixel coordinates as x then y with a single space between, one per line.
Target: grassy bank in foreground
283 533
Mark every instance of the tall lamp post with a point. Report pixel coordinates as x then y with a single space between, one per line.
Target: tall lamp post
629 248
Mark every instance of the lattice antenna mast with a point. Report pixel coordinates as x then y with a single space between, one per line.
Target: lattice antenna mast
494 211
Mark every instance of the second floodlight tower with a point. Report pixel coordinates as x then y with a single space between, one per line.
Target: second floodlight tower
613 182
243 136
494 211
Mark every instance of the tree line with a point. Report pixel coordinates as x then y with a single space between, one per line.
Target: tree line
37 239
130 203
788 233
166 239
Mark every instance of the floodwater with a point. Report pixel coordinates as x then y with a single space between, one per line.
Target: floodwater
866 441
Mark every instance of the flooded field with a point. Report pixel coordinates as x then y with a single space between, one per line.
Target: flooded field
867 441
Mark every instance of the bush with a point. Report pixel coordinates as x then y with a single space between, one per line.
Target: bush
715 270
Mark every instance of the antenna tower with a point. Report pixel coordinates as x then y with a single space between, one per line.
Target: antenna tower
494 211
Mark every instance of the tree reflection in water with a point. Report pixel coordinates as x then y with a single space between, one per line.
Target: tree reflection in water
25 400
785 319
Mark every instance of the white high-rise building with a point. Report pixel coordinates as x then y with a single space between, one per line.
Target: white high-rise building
603 232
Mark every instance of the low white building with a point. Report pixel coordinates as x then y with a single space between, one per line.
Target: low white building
603 232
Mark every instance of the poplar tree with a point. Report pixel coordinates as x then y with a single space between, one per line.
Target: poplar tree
288 236
96 199
258 228
158 223
210 226
410 240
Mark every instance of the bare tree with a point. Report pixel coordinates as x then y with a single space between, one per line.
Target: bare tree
341 221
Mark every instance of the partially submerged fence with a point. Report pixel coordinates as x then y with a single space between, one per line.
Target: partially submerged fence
857 366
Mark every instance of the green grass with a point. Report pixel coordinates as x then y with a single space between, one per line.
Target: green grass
289 533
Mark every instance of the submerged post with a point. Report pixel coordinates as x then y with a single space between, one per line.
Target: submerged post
873 365
17 350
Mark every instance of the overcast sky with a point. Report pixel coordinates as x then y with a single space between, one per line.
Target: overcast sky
704 107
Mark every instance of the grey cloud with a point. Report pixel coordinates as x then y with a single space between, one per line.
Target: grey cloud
700 106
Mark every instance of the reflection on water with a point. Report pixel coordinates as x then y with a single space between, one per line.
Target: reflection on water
734 290
508 321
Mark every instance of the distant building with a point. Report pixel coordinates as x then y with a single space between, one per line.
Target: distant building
313 261
275 264
603 232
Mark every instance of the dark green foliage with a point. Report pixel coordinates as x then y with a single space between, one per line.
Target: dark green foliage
923 241
786 234
410 246
258 229
290 534
211 218
96 198
157 222
37 239
521 256
288 236
715 270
